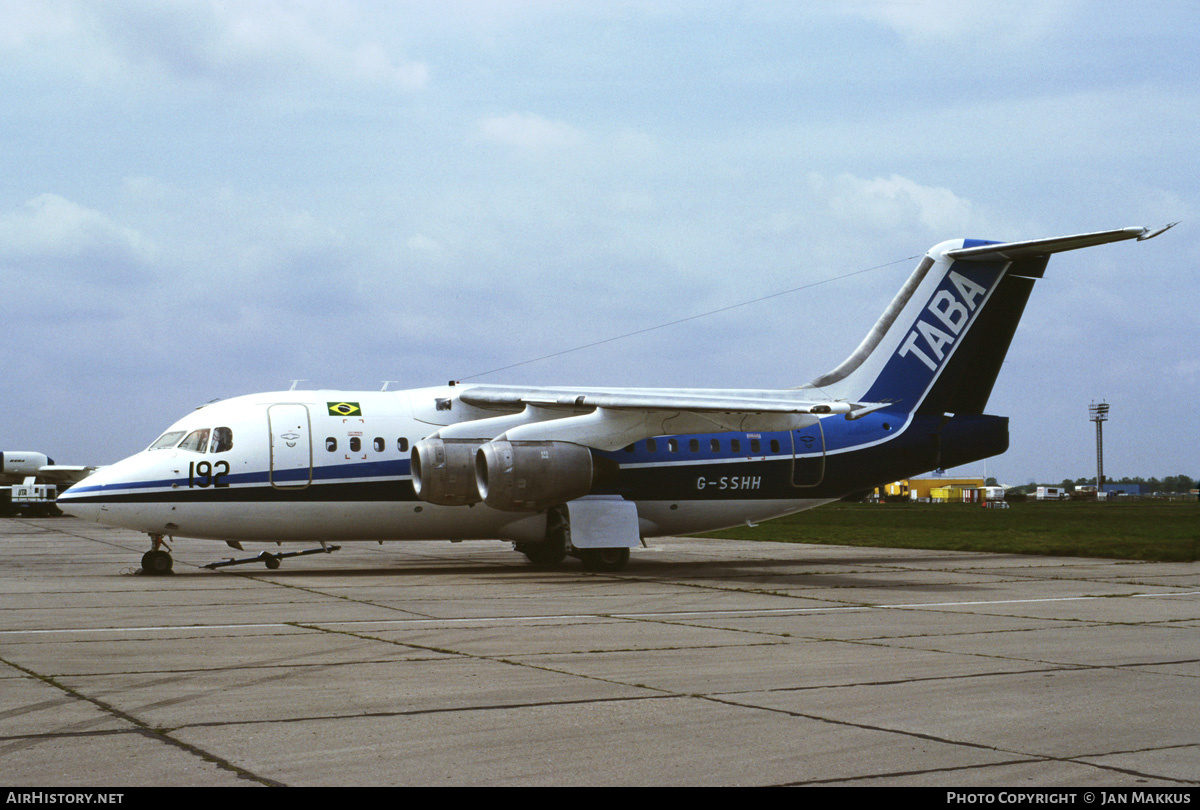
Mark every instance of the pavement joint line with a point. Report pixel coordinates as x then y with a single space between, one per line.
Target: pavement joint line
948 741
587 616
509 661
839 780
672 621
421 712
1041 670
1031 759
140 727
316 592
1039 599
68 735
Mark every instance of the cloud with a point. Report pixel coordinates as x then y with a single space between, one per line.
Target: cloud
321 39
53 230
423 244
239 43
528 131
893 203
1187 368
28 24
1000 24
371 61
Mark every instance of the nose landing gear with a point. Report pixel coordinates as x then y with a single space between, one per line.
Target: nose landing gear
157 562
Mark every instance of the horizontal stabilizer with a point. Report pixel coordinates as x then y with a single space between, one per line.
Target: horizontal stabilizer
1044 247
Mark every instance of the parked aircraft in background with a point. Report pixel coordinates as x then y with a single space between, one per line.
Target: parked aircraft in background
30 482
589 472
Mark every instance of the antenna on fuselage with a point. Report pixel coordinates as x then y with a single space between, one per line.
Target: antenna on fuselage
386 383
295 383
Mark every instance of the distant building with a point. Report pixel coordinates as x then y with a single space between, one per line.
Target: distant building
919 489
956 494
1123 489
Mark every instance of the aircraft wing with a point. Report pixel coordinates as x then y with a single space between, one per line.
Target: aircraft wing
706 401
608 419
63 473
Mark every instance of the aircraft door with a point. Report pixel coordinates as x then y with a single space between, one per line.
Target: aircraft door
291 446
808 455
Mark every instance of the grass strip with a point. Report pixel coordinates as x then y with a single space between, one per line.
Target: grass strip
1152 530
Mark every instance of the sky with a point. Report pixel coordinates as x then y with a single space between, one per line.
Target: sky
205 199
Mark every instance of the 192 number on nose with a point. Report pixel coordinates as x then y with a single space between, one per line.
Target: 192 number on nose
206 474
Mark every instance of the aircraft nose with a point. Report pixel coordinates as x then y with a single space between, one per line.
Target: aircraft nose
87 498
70 503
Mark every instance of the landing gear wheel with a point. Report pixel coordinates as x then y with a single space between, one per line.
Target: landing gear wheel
543 554
603 559
156 563
553 550
271 561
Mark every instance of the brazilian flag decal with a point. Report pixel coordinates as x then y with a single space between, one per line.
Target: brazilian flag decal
344 409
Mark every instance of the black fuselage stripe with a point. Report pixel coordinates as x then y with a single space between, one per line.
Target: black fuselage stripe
770 479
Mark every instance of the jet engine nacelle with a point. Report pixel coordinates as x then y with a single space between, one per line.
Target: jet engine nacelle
17 462
531 476
443 471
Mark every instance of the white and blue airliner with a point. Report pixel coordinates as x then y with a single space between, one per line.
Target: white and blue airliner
591 472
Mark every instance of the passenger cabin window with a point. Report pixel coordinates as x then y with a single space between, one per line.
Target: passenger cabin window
672 445
331 444
402 444
355 444
715 445
735 445
222 440
629 448
379 444
651 446
196 441
694 445
167 440
755 446
774 445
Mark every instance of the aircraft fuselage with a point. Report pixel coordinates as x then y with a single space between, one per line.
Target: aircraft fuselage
296 469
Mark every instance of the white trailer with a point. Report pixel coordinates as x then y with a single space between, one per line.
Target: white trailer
29 498
1052 494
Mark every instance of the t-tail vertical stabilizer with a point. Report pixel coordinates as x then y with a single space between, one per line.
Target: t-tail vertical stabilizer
940 344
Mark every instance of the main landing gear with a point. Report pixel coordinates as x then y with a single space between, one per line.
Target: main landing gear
557 545
603 559
553 550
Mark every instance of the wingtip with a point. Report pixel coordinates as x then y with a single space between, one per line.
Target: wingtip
1149 234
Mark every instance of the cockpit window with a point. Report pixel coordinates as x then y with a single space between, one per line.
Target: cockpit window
166 440
222 440
196 441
